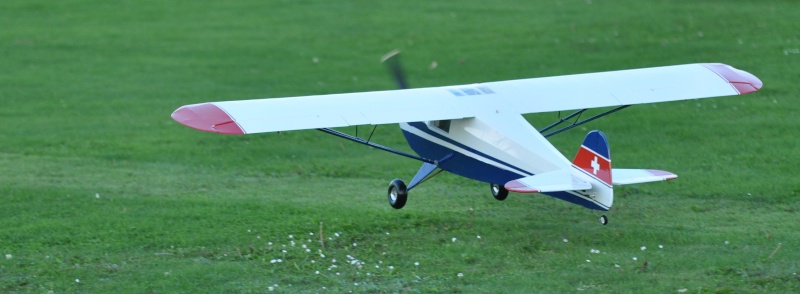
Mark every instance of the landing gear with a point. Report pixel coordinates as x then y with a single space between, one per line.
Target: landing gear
398 194
604 219
499 192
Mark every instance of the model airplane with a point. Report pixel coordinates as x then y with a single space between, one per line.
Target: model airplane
477 131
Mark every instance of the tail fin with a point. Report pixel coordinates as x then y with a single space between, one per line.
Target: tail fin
594 157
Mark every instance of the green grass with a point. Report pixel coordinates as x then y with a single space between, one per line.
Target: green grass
101 191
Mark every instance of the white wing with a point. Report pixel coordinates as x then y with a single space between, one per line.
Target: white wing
615 88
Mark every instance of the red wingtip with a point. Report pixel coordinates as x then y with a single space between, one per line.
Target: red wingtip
742 81
667 175
207 117
519 187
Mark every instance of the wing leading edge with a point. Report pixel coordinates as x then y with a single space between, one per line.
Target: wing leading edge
614 88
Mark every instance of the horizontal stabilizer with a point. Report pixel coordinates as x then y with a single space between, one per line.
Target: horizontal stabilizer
547 182
634 176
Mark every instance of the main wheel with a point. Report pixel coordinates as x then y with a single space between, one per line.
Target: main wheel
398 194
499 192
604 219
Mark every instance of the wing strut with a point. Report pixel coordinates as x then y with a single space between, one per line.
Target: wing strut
561 120
374 145
577 123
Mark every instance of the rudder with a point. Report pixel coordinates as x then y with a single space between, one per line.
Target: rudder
594 157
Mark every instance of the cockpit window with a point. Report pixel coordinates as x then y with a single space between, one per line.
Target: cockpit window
443 125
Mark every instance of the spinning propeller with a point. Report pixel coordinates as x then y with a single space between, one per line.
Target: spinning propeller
392 61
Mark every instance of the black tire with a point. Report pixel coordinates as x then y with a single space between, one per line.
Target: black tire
499 192
397 194
604 219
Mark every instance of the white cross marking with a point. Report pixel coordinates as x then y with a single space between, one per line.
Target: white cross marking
595 165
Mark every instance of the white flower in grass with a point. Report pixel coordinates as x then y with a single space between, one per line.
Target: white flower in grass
270 288
9 256
416 264
634 258
355 244
336 234
565 240
284 251
77 280
616 265
588 260
479 236
269 243
333 260
454 239
660 246
391 267
316 272
460 275
311 234
291 236
643 248
308 250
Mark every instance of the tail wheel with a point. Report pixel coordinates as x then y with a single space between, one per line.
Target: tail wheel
398 194
499 192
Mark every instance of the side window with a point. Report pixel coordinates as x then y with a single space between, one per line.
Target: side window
443 125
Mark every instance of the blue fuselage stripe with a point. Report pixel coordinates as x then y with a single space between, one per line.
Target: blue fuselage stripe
466 166
424 128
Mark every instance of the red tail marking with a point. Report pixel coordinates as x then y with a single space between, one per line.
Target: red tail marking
593 164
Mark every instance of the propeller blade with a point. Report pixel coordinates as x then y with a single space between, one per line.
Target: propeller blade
392 60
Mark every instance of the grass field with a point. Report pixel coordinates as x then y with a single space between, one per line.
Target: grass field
101 191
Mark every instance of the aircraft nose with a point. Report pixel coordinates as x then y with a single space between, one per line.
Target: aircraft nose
207 117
